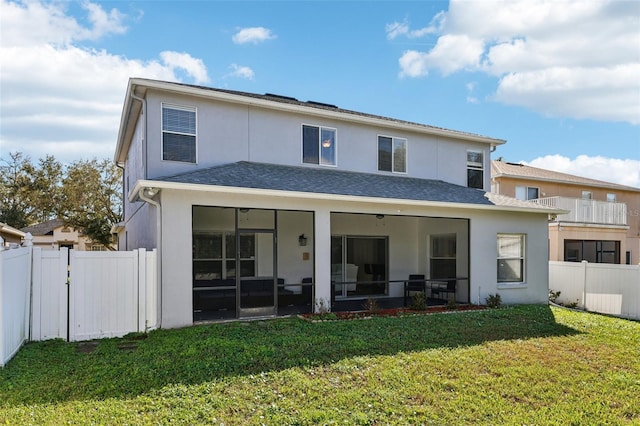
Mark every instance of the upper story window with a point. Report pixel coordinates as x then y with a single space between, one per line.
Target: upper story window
392 154
526 193
178 133
587 195
511 258
319 145
475 169
611 198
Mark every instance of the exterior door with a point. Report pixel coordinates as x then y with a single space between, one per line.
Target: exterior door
256 275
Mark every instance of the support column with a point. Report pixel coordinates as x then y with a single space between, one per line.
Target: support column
322 239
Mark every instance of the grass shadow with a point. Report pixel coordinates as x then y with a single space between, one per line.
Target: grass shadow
56 371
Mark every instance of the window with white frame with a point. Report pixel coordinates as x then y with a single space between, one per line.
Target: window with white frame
392 154
611 198
178 133
511 258
587 195
526 193
475 169
318 145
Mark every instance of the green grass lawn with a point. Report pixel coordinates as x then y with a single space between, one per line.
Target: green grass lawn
519 365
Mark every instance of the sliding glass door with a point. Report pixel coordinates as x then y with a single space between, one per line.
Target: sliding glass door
359 265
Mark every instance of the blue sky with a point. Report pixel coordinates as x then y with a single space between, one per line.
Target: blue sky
558 80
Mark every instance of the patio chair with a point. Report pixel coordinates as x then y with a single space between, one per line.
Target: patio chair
416 282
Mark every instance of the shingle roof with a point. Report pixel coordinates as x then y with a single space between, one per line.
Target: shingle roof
319 106
503 168
330 181
43 228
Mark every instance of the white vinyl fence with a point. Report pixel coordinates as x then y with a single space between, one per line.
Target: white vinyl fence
15 276
598 287
75 295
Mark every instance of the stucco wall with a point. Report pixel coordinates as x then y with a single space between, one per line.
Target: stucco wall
405 235
229 133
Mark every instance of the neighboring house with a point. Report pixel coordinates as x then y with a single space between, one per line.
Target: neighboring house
603 222
53 235
10 234
265 205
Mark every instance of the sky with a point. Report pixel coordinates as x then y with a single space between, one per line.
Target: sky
558 80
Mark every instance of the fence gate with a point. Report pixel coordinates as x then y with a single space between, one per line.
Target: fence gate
93 295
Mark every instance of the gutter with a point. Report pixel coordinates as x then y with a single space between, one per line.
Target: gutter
145 193
333 197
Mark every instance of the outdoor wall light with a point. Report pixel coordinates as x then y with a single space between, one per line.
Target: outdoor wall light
379 216
302 240
244 210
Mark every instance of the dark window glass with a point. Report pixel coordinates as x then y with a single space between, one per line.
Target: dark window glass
384 154
177 147
310 146
475 178
532 193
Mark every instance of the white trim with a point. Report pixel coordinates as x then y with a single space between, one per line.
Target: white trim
331 197
523 256
406 154
319 127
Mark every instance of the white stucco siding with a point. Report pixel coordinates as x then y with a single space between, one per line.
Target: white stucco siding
228 133
407 227
141 230
485 227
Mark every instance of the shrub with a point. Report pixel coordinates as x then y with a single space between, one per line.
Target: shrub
493 300
371 305
419 302
553 295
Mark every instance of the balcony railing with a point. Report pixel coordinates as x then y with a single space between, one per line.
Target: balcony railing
587 211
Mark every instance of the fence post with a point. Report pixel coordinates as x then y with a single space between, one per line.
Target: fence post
142 289
28 240
585 264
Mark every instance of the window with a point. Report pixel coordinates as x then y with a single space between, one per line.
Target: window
592 251
587 195
214 255
443 256
475 169
318 145
392 154
611 198
511 258
178 133
526 193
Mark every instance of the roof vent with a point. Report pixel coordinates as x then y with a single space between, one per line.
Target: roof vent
515 164
322 104
284 98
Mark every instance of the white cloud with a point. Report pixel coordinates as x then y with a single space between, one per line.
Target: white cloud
194 67
241 72
571 58
397 29
452 53
623 172
60 98
253 35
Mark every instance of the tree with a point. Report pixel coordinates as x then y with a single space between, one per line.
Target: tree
16 196
91 198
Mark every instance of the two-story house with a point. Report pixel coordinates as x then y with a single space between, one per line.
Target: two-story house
602 223
266 205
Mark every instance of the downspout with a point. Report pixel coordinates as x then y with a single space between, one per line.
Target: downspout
143 101
151 192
